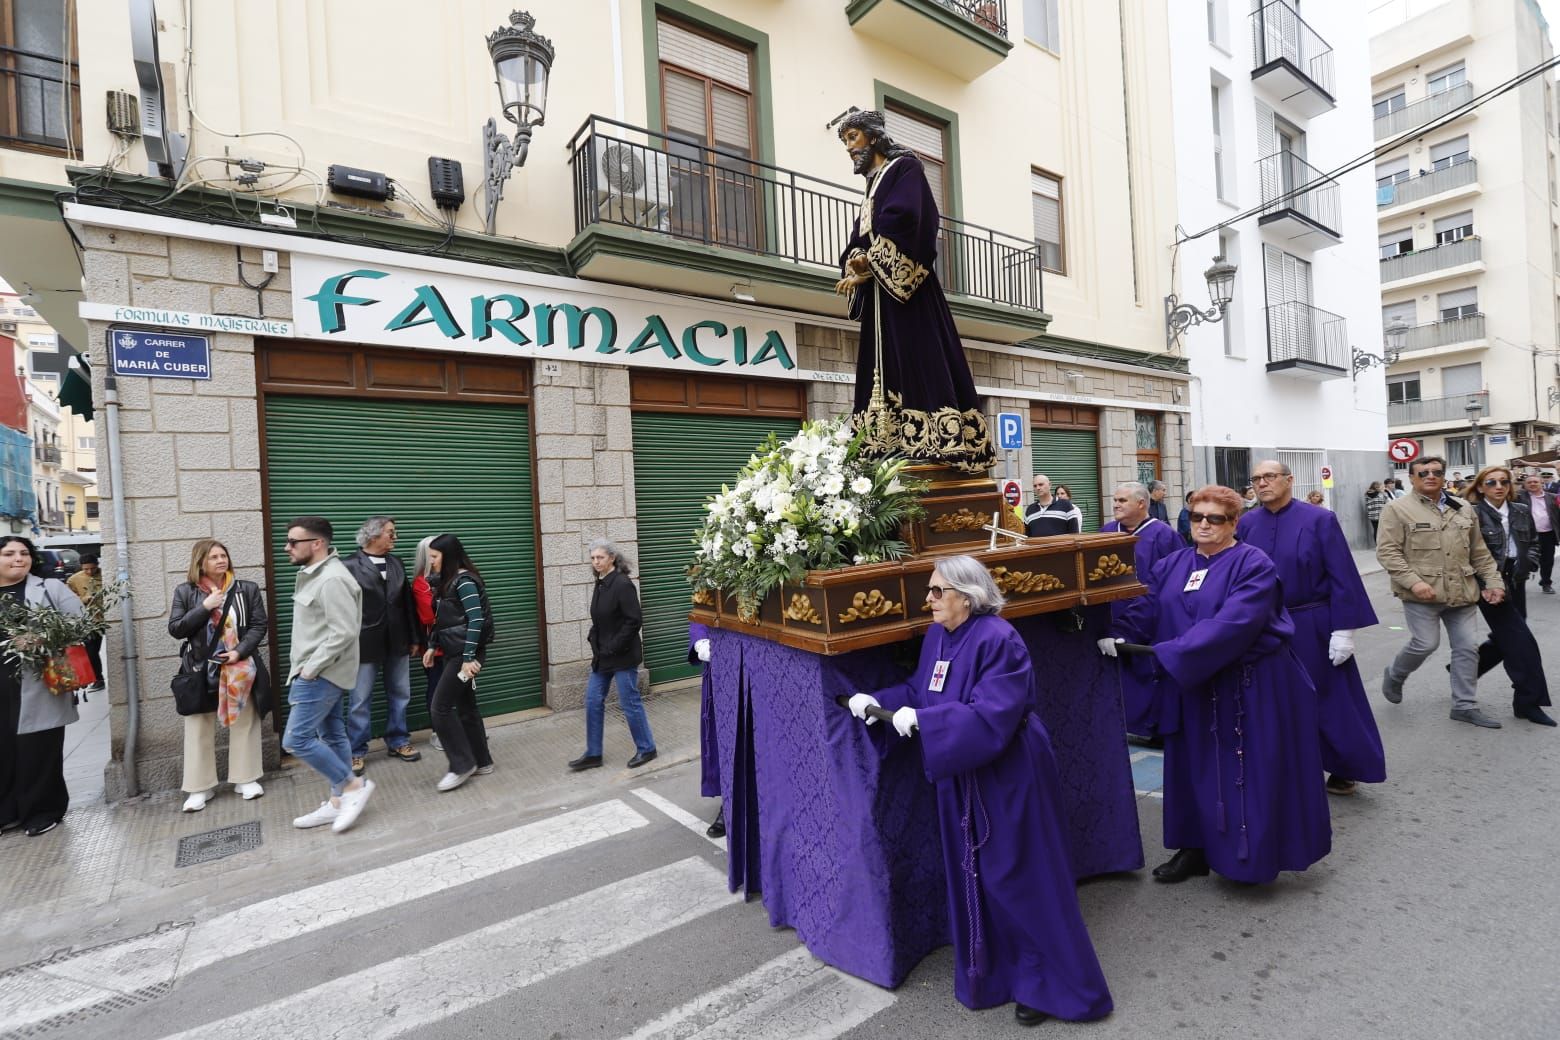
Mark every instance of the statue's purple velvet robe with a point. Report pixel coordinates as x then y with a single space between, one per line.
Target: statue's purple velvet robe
1243 770
1140 694
1323 593
926 377
1016 919
709 749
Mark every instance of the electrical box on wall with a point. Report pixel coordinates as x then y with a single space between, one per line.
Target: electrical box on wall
363 184
446 182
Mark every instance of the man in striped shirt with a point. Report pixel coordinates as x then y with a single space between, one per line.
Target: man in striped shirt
1049 515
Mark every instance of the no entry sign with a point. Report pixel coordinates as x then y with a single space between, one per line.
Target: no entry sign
1012 494
1403 450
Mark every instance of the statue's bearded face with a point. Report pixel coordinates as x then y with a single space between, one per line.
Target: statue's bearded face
861 148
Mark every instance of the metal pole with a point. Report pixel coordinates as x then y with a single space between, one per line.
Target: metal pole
116 472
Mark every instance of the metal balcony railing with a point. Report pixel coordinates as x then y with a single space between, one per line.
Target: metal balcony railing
1421 112
642 179
1290 183
1436 258
990 15
1437 409
1300 332
48 453
40 101
1427 184
1444 333
1278 33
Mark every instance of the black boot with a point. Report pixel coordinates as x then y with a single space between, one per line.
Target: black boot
1184 864
1028 1016
717 827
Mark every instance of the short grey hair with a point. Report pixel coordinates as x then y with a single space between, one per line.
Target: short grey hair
422 565
1133 490
1157 485
372 528
967 575
619 561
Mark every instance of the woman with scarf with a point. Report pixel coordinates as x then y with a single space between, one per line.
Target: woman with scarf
222 620
1018 933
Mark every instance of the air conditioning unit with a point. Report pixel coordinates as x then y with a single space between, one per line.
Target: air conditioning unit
633 183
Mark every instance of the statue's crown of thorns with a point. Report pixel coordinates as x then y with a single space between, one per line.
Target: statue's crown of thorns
853 118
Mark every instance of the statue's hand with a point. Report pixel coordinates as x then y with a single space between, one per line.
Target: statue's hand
857 263
845 285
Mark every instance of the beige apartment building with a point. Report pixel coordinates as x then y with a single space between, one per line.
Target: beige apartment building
1467 217
655 297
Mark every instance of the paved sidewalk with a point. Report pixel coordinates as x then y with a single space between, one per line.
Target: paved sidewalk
110 866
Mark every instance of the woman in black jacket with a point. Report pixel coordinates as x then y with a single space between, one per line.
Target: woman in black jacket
240 695
615 653
462 629
1507 528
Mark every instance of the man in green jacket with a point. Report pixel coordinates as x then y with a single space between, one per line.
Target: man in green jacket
327 615
1430 545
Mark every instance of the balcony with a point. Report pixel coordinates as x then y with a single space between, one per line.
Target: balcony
1453 409
665 213
1451 332
33 103
1306 342
1432 261
964 37
1426 185
1300 206
52 518
1290 60
47 453
1421 112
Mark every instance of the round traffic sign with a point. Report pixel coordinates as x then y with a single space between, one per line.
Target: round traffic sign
1012 494
1403 450
1326 472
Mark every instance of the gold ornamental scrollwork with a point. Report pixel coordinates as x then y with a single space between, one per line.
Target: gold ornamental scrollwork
801 609
703 598
1109 566
963 520
864 606
1022 582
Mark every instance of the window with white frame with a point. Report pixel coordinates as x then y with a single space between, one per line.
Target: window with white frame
1390 101
1447 78
1396 243
1460 303
86 443
1229 249
1465 452
1042 23
1403 388
1219 185
1457 380
1454 228
1449 153
1045 197
1393 171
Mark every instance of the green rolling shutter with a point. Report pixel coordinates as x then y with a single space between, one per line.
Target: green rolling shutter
436 467
1072 457
680 460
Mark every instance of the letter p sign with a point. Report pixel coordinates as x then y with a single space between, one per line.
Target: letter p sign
1010 431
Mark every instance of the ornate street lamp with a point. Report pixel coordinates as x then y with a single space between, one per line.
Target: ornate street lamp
1181 316
1396 334
522 61
70 514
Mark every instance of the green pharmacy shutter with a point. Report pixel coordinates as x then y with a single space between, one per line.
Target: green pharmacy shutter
680 460
436 467
1072 457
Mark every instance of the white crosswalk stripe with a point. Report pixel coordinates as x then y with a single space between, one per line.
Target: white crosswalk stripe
412 992
678 813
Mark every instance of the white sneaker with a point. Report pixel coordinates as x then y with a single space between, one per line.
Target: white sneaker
250 791
326 813
436 743
450 781
196 802
485 770
352 803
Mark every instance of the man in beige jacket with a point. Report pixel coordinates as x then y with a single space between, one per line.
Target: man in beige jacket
1430 545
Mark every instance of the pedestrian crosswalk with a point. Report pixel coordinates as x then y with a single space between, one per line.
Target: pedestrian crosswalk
462 971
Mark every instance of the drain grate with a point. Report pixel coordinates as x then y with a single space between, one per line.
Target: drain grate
218 844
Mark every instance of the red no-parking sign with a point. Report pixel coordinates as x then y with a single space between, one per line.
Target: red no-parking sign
1403 450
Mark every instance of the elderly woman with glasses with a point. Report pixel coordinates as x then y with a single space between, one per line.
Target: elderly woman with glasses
1507 528
1243 787
1018 933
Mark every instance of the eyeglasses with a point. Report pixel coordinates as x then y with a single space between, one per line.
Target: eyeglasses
1497 482
936 591
1263 478
1216 519
1422 474
299 541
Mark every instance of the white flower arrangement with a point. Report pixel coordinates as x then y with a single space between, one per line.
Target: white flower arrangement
809 503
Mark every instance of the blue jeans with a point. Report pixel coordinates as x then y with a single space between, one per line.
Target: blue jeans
316 733
628 700
398 694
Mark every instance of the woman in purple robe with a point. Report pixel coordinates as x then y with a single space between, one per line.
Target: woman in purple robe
1243 789
1018 933
709 750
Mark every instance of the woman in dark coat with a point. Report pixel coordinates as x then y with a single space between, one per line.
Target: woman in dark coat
462 629
615 653
242 696
33 794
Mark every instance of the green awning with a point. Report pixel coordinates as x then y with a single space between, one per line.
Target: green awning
76 387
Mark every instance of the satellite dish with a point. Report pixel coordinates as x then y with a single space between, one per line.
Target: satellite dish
624 170
167 151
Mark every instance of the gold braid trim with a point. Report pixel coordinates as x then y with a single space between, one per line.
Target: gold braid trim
896 272
955 438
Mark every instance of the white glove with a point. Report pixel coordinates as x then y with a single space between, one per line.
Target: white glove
702 649
859 703
1341 646
904 721
1108 646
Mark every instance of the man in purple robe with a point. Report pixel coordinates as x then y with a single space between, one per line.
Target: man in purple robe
1327 601
1155 540
920 401
709 750
1243 789
1018 932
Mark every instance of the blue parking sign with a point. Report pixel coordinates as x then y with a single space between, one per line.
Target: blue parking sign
1010 431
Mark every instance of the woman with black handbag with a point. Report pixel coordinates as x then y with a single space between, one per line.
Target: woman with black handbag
221 679
462 629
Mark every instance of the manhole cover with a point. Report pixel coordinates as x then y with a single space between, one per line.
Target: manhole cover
218 844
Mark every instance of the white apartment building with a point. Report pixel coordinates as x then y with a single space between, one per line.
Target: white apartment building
1467 219
1268 98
